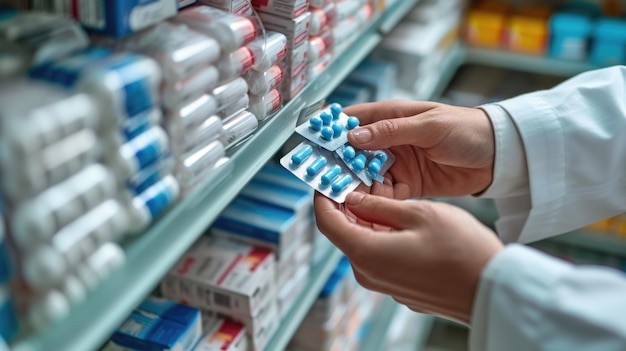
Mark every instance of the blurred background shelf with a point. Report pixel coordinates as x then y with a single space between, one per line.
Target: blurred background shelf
318 277
149 256
526 63
604 243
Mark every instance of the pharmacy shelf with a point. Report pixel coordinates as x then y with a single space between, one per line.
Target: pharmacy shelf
526 63
593 241
380 322
450 65
391 18
318 277
150 256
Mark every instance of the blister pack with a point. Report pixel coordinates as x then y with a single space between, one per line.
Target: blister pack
368 165
327 161
322 170
329 128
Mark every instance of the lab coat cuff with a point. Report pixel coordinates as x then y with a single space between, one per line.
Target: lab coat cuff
512 292
510 175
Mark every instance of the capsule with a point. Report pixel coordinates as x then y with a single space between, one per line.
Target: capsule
358 163
349 153
382 156
301 155
335 110
316 166
330 175
342 183
352 123
315 124
326 118
327 133
373 167
337 130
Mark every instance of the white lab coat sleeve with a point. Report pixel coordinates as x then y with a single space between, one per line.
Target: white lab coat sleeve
527 300
574 138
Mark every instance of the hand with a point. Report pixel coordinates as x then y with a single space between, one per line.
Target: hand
427 255
440 150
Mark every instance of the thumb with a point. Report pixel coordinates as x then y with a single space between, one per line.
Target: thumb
392 213
388 132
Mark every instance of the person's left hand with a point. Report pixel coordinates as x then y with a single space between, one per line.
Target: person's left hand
429 256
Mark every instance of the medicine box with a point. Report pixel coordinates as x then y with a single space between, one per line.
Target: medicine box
277 174
291 290
118 18
222 335
527 30
292 86
570 31
609 44
283 8
298 201
377 75
257 223
222 276
159 324
485 24
296 60
295 29
232 6
298 256
259 328
332 294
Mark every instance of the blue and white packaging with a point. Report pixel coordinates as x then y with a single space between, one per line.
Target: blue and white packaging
257 223
123 84
144 208
159 325
118 18
332 294
329 128
275 173
368 165
291 290
289 199
321 169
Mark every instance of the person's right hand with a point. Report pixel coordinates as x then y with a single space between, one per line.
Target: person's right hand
440 150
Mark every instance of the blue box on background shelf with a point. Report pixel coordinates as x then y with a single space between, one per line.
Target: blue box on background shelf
571 28
609 44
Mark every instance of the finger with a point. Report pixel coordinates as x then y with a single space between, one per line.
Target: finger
349 237
383 211
376 111
393 132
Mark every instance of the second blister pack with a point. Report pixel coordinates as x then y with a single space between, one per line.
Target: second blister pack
322 170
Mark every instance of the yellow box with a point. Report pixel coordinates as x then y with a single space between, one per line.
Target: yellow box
485 24
528 30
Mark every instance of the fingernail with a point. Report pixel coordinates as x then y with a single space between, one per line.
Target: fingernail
355 198
362 135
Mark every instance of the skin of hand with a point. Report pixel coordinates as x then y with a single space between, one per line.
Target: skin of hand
427 255
440 150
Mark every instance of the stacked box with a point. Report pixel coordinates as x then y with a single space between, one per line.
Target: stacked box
292 18
228 280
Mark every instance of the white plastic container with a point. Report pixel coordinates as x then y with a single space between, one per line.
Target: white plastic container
268 50
189 115
201 82
47 309
46 266
123 84
322 18
238 128
56 162
193 166
132 127
230 92
38 219
231 31
261 83
180 51
208 131
235 107
264 106
318 47
99 265
236 64
138 153
146 207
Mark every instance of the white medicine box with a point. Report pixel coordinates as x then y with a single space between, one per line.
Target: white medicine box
222 276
